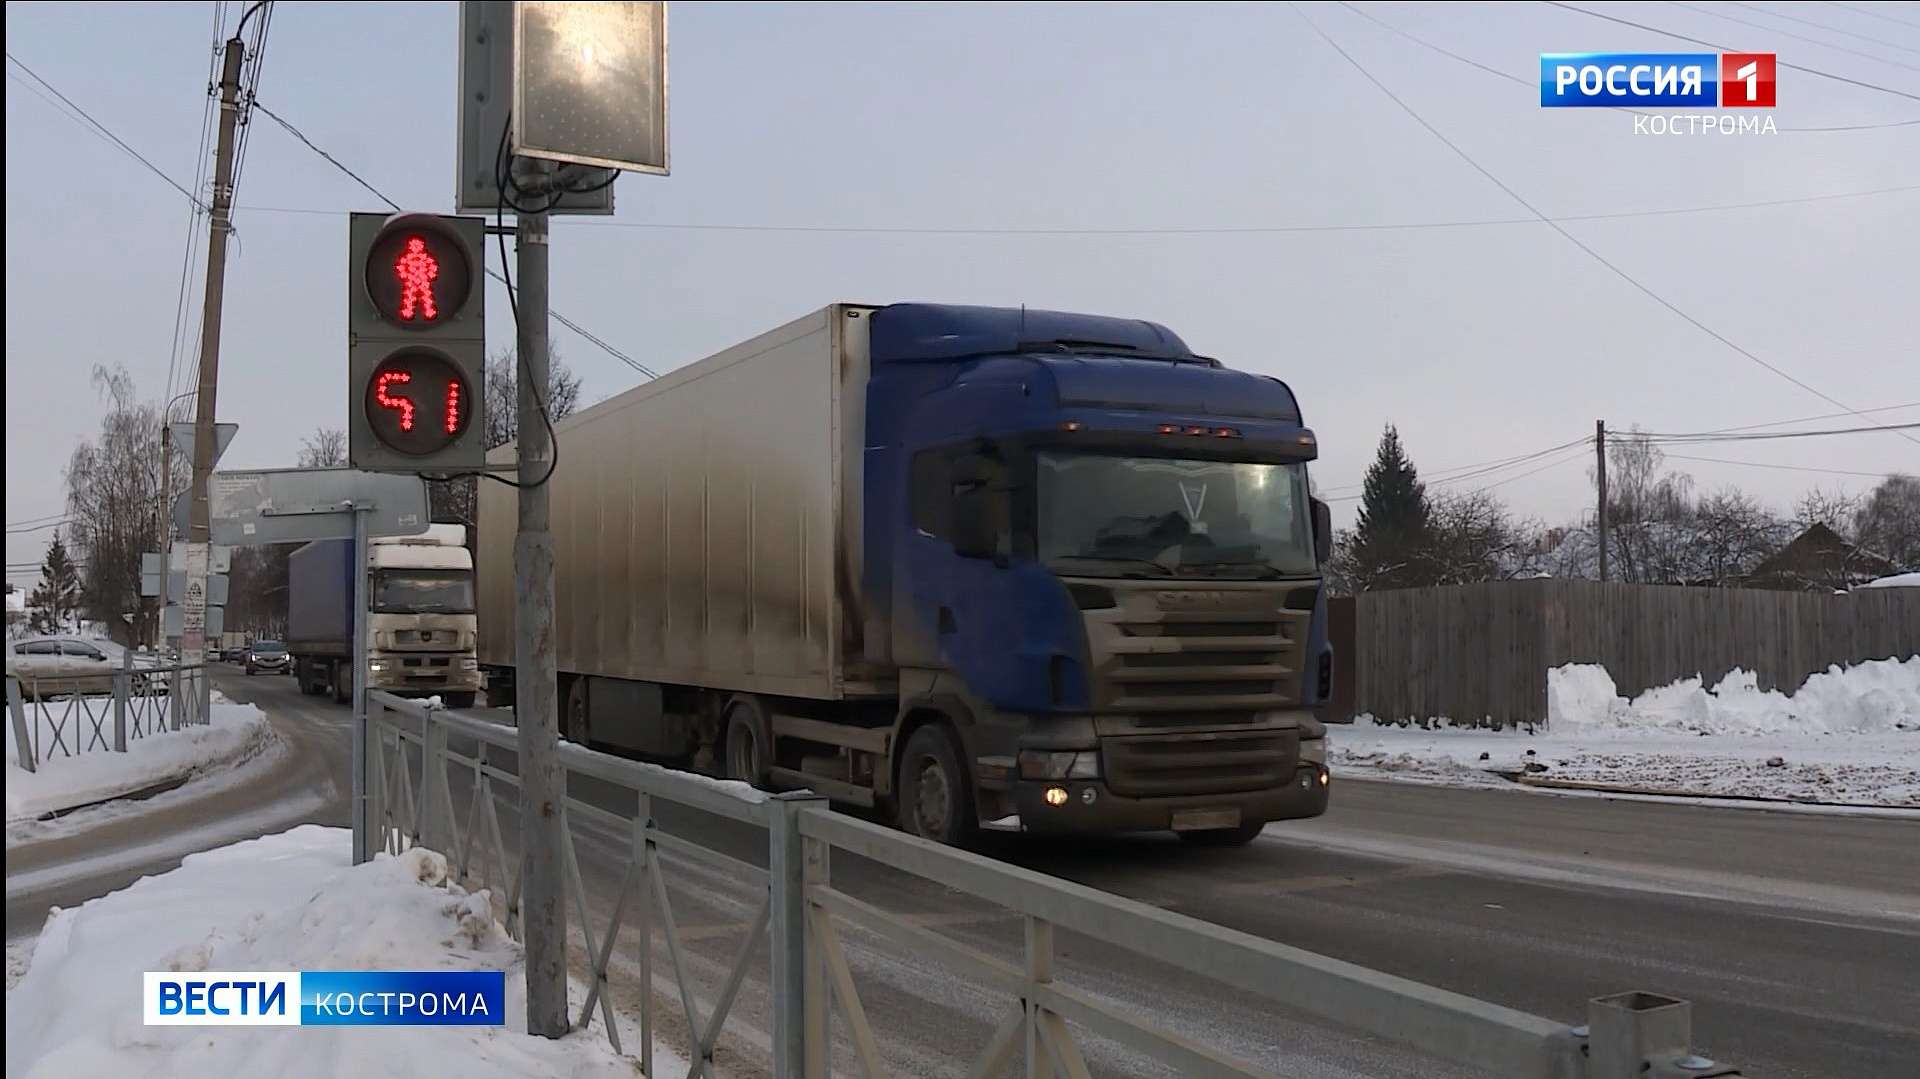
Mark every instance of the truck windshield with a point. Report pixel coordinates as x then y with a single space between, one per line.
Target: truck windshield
1109 516
423 593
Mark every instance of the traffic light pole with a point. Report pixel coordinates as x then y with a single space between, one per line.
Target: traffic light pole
536 711
193 640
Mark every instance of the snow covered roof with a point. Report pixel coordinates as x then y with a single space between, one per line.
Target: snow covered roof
1898 580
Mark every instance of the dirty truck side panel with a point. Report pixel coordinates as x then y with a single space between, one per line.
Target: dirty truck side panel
699 526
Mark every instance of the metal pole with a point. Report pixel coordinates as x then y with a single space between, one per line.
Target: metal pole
122 689
536 711
165 531
787 931
361 830
1600 475
193 641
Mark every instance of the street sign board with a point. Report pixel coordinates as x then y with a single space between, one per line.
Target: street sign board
590 83
183 438
177 586
294 505
174 621
486 97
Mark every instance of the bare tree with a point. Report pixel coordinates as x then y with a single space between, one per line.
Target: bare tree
257 592
1730 534
1473 538
1836 509
325 448
1648 512
1889 523
457 500
114 489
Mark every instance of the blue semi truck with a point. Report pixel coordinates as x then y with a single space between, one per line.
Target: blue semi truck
968 566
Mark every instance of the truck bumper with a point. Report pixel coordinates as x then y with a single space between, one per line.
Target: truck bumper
1090 807
401 684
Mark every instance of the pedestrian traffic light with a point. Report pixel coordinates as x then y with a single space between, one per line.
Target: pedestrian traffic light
416 342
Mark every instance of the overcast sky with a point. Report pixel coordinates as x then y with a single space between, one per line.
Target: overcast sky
1479 341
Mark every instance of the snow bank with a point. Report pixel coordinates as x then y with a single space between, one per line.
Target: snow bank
1879 696
1847 737
236 733
290 901
1898 580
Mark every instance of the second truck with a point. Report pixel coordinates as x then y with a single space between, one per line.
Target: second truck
420 616
967 566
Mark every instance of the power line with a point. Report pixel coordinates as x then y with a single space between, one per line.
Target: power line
1483 467
130 151
1810 419
1791 34
192 244
1830 28
1875 14
1469 61
1783 468
1760 436
1723 48
1570 237
37 528
491 272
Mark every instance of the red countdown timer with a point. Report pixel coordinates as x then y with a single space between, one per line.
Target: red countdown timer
418 276
418 402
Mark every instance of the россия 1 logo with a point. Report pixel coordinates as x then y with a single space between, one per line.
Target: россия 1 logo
1654 80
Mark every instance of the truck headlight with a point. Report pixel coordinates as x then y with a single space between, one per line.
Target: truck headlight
1045 764
468 663
1314 751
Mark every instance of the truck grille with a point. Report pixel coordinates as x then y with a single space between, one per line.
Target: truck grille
1221 662
1226 763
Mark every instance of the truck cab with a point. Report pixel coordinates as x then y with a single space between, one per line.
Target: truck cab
1101 561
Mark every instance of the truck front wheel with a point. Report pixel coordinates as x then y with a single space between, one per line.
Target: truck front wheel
935 796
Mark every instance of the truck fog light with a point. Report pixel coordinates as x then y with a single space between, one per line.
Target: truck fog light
1325 777
1056 796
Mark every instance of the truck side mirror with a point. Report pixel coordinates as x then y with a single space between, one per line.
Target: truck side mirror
1322 532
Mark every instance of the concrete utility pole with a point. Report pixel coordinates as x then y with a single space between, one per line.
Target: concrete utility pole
193 638
536 710
1600 476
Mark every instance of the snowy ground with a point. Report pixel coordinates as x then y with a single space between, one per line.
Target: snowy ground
283 902
237 732
1845 737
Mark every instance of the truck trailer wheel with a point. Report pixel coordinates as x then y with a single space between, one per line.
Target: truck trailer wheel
935 796
1223 837
342 684
576 725
749 751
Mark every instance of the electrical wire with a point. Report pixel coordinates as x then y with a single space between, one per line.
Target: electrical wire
1722 48
1676 438
501 166
1875 14
1791 34
1469 61
1448 475
1569 236
38 528
1810 419
1828 27
117 141
1783 468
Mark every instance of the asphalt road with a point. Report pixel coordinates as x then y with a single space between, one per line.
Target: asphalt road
1796 936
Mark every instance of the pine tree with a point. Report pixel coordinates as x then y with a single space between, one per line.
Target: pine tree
57 596
1391 541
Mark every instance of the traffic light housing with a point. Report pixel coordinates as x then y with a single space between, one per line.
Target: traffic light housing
416 342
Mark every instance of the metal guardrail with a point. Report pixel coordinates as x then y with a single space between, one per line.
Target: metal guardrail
57 716
1628 1036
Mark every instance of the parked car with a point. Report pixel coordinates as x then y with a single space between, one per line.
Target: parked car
234 654
60 666
268 656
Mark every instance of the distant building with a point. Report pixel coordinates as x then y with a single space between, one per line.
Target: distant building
1818 560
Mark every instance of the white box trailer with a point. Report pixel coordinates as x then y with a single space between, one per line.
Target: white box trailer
706 525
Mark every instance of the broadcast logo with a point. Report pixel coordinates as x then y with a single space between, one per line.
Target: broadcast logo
1642 81
367 998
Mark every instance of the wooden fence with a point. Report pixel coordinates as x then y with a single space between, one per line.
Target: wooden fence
1480 652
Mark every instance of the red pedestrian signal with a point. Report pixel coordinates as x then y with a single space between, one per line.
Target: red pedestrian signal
419 275
416 343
